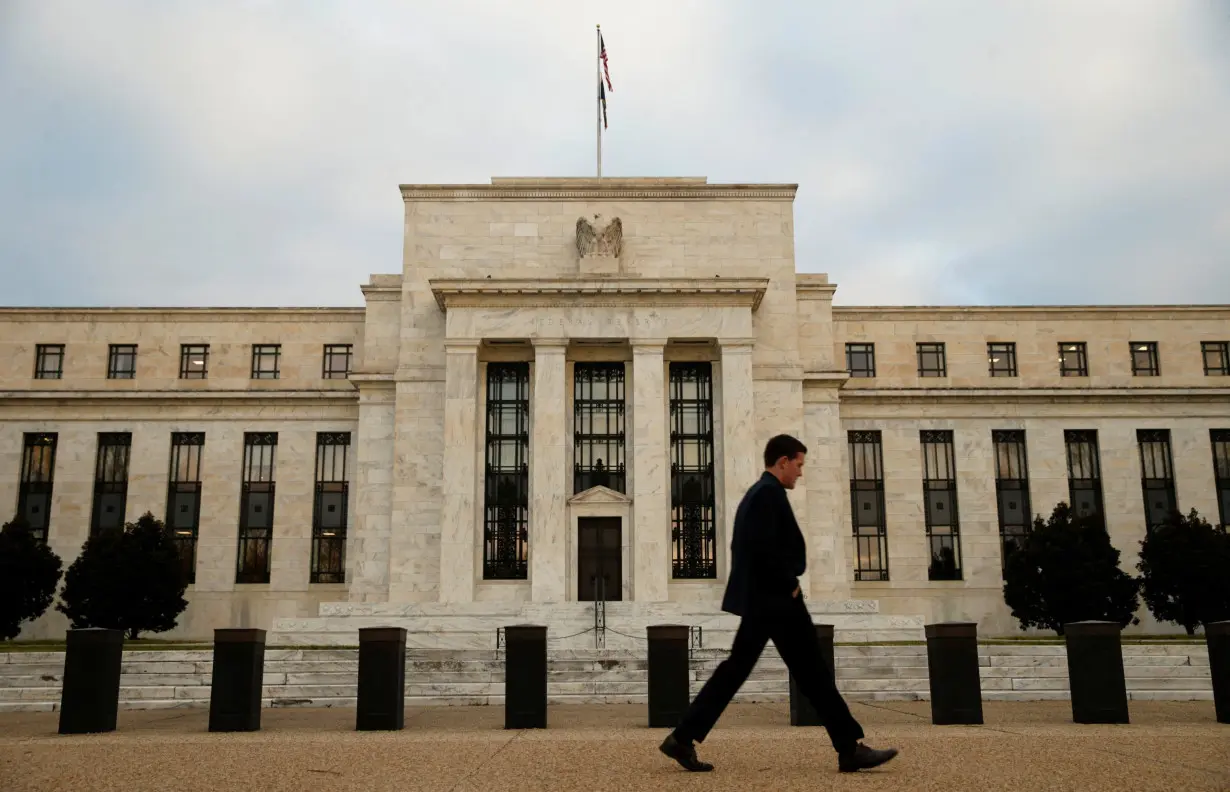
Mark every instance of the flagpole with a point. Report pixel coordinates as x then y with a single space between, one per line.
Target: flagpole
597 97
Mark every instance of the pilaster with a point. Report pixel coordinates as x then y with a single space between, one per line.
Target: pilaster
826 526
367 552
458 527
548 469
650 497
740 452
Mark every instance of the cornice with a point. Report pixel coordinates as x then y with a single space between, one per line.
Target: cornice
202 397
598 190
245 315
550 344
597 292
767 371
1035 395
1028 313
814 286
381 293
831 379
371 380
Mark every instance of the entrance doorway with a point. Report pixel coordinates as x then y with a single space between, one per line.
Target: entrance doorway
599 559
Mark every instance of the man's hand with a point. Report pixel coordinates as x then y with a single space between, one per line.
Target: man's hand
797 591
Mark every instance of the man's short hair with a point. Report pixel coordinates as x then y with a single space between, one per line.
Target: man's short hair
782 445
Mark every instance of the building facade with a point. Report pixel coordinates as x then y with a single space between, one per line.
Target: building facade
561 399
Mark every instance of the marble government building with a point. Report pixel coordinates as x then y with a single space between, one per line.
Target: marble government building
560 399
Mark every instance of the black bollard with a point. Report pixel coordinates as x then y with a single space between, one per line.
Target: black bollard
952 667
669 674
802 713
238 680
1217 636
525 677
90 694
1095 672
382 679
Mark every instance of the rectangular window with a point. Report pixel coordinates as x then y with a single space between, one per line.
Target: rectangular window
507 472
693 504
867 516
1220 439
940 509
1216 358
330 509
337 361
1073 361
256 507
49 361
265 359
1084 473
110 481
122 361
1011 490
1156 475
184 496
931 360
38 464
861 360
1002 359
598 445
1145 362
193 361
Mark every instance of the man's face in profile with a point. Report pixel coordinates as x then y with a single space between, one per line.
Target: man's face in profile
790 470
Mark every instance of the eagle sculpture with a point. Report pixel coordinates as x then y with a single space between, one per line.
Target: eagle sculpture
607 241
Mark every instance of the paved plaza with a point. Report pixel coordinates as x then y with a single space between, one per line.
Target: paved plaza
1169 746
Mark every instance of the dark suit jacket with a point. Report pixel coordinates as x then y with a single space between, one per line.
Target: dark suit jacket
768 553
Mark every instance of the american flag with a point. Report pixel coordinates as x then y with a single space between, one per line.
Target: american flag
606 68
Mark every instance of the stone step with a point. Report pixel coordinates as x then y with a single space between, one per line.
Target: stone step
554 698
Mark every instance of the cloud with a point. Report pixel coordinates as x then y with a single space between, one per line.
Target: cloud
249 153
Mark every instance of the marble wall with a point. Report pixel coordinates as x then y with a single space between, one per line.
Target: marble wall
499 262
1037 333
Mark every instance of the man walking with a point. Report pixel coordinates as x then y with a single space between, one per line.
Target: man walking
768 555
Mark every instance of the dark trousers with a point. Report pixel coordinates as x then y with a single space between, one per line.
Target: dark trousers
793 633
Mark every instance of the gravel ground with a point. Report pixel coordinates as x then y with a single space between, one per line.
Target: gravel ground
1169 746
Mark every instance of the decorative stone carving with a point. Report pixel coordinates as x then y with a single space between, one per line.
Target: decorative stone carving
603 240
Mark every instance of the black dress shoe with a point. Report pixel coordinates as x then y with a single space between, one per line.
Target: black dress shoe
684 754
863 758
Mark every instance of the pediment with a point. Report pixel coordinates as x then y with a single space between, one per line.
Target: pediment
600 494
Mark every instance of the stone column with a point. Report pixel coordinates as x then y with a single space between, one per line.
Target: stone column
367 552
457 520
650 541
830 546
741 453
548 474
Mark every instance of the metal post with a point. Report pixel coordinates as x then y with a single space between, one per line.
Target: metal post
952 667
238 680
1217 636
802 713
90 695
669 674
525 677
1095 672
382 679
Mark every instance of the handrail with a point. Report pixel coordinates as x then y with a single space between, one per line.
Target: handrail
599 612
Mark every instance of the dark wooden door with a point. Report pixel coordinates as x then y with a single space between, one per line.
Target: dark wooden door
599 559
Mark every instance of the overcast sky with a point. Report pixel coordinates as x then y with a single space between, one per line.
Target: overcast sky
978 152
